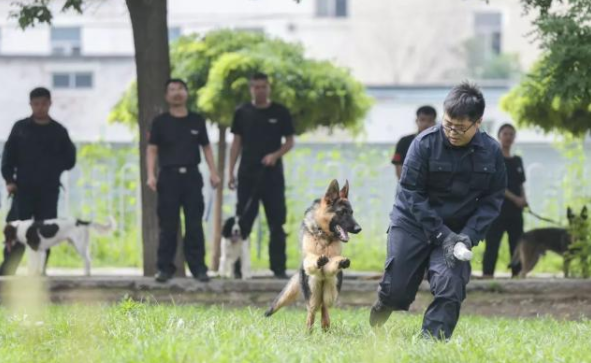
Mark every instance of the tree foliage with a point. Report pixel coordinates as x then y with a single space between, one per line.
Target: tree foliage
556 94
217 67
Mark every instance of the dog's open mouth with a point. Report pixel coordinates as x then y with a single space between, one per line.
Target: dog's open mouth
342 234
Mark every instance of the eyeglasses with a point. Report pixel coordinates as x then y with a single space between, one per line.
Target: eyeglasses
461 131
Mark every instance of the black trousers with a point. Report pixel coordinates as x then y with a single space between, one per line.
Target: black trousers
267 186
513 225
181 188
409 255
28 204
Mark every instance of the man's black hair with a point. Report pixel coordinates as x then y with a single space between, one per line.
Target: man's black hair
259 76
506 126
40 92
176 80
464 101
427 110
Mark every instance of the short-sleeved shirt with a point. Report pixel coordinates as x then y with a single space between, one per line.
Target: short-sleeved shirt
262 131
402 149
515 179
178 139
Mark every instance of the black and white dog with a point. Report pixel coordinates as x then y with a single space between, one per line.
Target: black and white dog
235 246
39 236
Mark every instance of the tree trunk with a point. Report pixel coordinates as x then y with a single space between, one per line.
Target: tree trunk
219 201
152 60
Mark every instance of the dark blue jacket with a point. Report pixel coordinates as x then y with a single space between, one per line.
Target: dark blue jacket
444 188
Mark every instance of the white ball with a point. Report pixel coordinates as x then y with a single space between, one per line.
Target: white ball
462 253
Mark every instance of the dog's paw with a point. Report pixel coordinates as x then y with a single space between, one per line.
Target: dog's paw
322 260
345 263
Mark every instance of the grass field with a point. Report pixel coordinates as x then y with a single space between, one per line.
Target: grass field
135 332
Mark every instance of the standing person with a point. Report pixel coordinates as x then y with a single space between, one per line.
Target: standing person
511 218
426 116
174 141
259 127
36 154
451 189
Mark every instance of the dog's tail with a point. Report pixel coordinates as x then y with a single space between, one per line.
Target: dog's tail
289 294
99 227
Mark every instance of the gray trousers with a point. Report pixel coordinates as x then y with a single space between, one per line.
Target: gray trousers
409 255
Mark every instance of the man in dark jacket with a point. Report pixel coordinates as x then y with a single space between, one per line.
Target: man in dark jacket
451 189
36 153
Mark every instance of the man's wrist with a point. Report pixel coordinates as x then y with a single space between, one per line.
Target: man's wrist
438 237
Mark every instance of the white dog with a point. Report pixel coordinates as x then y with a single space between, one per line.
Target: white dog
234 246
39 236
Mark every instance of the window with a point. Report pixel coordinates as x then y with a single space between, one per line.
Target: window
66 41
488 32
331 8
174 33
72 80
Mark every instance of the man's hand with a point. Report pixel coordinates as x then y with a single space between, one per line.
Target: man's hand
215 180
11 188
520 202
232 182
449 246
151 183
270 159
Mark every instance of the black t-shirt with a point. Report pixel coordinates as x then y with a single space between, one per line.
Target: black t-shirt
178 139
262 130
402 149
515 179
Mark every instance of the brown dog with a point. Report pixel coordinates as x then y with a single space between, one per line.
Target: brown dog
326 226
536 242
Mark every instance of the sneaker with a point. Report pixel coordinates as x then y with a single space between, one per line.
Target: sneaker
162 276
281 276
202 277
379 314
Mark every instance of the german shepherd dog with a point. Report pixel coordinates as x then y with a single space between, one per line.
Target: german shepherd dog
535 243
326 226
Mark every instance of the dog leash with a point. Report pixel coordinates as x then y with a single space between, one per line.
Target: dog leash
529 211
258 183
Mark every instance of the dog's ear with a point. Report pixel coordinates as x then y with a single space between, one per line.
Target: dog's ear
569 214
344 193
584 212
332 193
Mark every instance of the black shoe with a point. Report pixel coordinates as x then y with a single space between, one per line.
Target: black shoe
162 276
281 276
202 277
379 314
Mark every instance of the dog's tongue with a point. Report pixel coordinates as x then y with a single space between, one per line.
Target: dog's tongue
343 235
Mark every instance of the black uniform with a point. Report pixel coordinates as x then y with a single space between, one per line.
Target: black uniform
510 220
179 185
402 149
442 189
262 131
35 155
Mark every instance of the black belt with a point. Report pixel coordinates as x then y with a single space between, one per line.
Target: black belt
180 169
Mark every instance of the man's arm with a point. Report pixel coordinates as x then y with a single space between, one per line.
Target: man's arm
234 153
413 192
489 205
68 152
214 178
9 159
151 155
271 159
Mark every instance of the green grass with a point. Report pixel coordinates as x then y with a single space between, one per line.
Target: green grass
134 332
